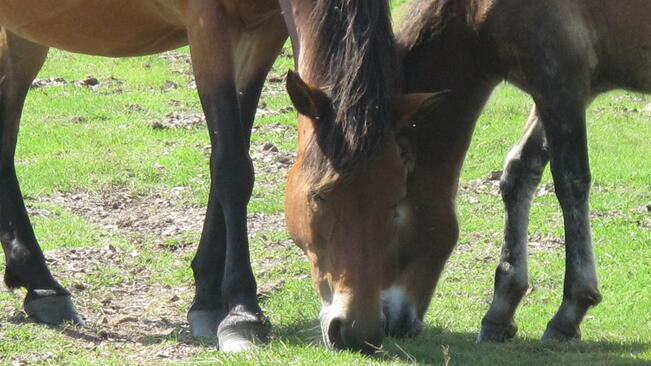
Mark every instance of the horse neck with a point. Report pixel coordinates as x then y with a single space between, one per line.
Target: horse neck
451 60
448 58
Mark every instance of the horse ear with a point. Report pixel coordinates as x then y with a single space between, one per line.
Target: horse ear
410 110
415 107
308 99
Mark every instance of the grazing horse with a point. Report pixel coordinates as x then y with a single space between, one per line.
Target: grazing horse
346 197
563 53
233 45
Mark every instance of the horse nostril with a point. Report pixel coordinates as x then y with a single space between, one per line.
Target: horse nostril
346 336
335 337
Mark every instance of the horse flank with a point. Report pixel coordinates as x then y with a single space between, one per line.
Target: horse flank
351 56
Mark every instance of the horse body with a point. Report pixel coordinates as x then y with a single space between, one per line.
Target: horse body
563 53
607 40
120 28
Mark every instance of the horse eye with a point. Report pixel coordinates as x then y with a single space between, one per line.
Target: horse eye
317 198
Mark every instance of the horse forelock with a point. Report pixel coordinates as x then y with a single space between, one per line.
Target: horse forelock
351 55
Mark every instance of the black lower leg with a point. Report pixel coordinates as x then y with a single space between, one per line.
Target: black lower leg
208 308
46 300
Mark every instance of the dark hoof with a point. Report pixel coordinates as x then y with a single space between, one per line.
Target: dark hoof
204 322
46 306
495 332
553 333
241 331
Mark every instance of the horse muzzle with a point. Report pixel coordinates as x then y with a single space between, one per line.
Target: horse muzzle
344 331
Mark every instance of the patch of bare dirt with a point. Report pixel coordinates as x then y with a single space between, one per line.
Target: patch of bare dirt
125 311
179 120
128 312
489 185
111 85
183 120
540 243
161 216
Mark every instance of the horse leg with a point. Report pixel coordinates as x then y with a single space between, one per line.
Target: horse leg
46 301
564 122
255 54
522 173
225 286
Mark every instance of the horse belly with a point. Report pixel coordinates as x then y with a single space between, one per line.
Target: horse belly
98 27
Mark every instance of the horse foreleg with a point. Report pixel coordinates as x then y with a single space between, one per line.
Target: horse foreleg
564 122
46 301
522 173
225 298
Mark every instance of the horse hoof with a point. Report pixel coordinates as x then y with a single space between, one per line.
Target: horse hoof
203 323
553 333
241 331
494 332
46 306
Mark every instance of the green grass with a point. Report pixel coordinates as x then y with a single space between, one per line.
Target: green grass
77 139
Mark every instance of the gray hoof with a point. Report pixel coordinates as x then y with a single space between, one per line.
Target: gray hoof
494 332
241 331
46 306
204 323
553 333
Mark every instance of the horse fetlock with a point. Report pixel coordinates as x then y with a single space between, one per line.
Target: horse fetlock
496 331
587 297
557 331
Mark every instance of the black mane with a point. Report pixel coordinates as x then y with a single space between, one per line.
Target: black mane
351 55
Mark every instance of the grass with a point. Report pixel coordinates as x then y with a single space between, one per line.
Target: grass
80 139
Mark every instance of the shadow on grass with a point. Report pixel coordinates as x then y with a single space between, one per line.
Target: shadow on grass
438 346
434 346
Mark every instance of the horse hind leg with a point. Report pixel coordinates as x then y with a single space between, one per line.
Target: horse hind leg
46 300
522 173
565 128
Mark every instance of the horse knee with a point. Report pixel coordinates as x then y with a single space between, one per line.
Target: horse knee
519 179
233 177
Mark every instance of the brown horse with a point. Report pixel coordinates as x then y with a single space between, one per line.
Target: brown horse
336 211
233 44
563 53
